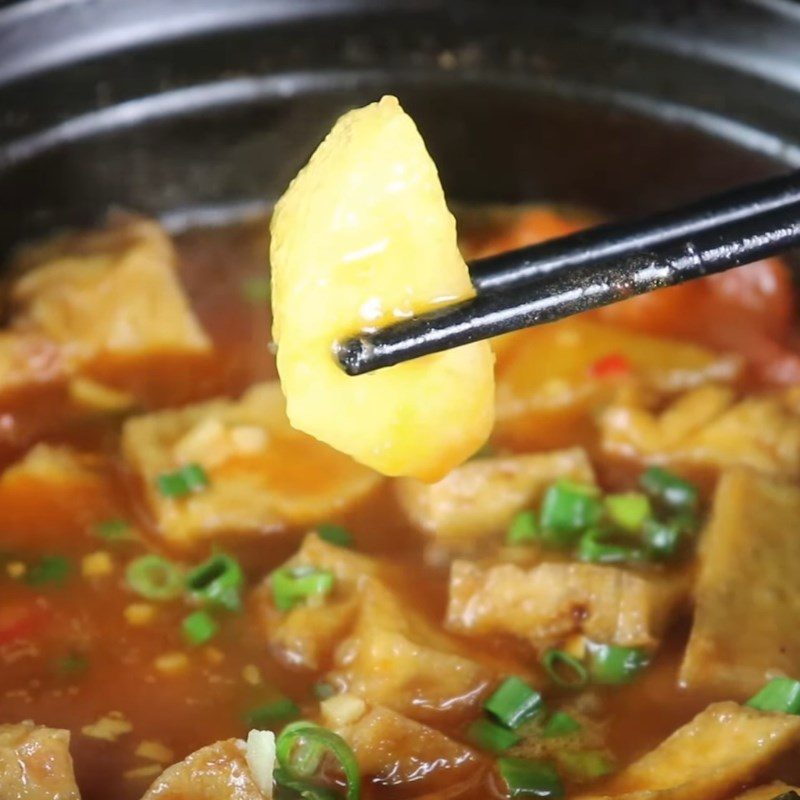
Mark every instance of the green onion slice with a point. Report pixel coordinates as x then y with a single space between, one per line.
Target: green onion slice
335 534
565 670
597 546
323 690
585 765
568 509
628 511
300 735
613 664
779 695
267 714
304 788
662 539
72 664
154 578
113 530
217 582
490 736
669 489
524 528
293 585
528 778
199 628
514 702
48 570
184 481
560 724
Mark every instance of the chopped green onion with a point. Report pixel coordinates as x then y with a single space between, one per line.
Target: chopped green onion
335 534
113 530
257 289
72 664
528 778
628 511
154 578
560 724
565 670
490 736
595 548
586 765
199 628
524 528
669 489
300 735
49 569
217 582
187 480
662 539
613 664
567 510
268 714
322 690
514 702
293 585
779 695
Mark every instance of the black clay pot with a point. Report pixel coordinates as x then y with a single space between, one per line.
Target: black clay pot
182 108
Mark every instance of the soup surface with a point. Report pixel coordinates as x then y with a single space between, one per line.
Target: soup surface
153 494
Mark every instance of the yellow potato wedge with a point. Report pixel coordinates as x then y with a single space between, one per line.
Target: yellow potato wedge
363 237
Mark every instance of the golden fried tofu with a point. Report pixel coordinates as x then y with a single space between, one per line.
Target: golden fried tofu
217 771
111 292
35 763
393 749
556 377
709 427
545 603
747 613
722 748
479 499
262 474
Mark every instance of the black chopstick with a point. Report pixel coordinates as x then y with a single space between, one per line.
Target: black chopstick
615 240
578 286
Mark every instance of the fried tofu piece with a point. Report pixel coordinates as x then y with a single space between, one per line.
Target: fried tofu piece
396 658
393 750
263 474
557 375
53 493
213 772
479 499
709 427
35 763
112 292
722 748
377 645
750 558
553 600
308 634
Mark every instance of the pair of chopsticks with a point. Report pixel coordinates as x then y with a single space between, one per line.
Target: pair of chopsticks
592 268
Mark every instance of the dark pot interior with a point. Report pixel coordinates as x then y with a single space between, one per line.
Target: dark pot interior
193 107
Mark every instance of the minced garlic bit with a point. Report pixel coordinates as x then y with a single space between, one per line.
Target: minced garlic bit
172 663
140 614
251 674
150 771
97 564
154 751
260 757
109 727
16 569
342 709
